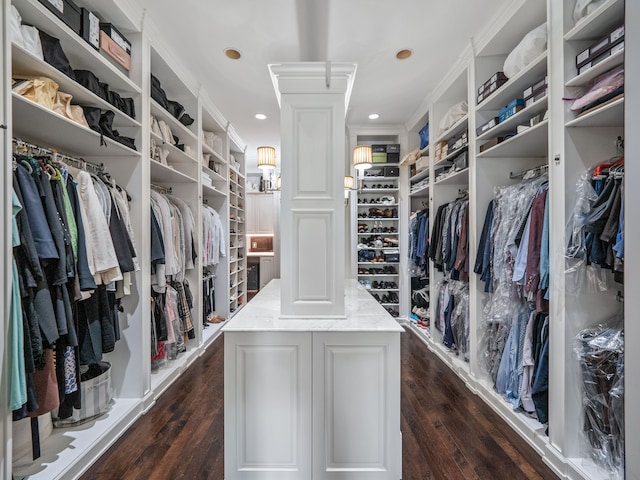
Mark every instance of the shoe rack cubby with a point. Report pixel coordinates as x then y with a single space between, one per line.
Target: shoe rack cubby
378 237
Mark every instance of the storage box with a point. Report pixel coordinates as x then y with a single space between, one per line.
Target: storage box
391 171
379 157
511 109
612 51
67 11
538 96
495 78
490 88
599 48
116 36
378 148
115 51
90 28
393 157
487 126
493 142
535 88
392 257
393 148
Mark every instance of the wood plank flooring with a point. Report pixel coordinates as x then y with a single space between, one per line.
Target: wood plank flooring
447 432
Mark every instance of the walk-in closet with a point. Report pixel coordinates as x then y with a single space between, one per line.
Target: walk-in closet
291 193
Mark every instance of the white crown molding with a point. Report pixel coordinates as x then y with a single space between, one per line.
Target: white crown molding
313 77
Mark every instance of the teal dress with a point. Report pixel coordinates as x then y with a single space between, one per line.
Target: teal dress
17 387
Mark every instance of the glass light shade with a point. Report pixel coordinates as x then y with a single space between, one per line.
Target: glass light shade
362 157
266 157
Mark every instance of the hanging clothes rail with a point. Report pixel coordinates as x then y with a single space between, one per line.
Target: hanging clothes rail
72 161
161 189
530 172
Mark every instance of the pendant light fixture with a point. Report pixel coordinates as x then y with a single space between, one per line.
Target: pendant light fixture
266 158
362 157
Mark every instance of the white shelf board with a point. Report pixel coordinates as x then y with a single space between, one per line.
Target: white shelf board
25 63
395 219
210 333
81 55
457 178
369 233
450 156
455 129
419 176
378 263
207 149
370 178
377 205
178 129
530 143
216 177
67 452
210 191
378 275
604 66
599 22
382 289
609 115
175 154
522 117
515 86
38 124
162 378
163 174
381 190
421 191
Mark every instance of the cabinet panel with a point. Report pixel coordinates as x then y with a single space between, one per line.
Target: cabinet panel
357 381
266 271
260 213
267 406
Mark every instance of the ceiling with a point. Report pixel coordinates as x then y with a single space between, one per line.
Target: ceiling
366 32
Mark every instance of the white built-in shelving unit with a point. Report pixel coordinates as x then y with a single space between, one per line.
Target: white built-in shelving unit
567 144
67 452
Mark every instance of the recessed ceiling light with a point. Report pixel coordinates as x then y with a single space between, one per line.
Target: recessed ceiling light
232 53
404 54
374 116
260 116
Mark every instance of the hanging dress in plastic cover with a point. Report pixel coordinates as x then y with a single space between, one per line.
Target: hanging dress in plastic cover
511 208
579 273
600 351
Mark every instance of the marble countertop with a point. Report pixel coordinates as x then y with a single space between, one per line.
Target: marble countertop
363 314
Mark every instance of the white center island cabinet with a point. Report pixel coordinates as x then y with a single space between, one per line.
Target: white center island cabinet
312 398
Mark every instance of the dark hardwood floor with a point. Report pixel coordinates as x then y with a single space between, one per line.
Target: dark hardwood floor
447 432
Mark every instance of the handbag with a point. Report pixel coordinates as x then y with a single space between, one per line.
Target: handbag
63 107
55 56
41 90
88 80
175 108
158 94
128 107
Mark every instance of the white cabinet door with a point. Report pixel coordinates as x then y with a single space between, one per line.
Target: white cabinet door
260 213
267 406
264 220
266 271
251 212
356 398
